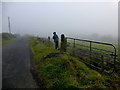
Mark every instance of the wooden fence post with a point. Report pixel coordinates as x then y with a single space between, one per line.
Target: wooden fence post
63 43
102 66
49 41
74 47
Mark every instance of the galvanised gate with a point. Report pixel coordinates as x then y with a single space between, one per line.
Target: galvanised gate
98 55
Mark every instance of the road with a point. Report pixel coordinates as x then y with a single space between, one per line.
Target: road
0 66
16 65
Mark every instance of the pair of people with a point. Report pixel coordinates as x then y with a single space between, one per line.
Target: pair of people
56 40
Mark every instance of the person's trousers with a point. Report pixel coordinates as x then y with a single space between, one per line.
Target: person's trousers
56 44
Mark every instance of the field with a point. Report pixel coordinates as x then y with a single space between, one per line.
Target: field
94 45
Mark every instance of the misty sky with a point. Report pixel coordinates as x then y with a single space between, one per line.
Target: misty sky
72 19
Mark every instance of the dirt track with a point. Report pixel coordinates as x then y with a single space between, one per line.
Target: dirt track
16 65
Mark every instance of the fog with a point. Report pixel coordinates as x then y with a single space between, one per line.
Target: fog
86 20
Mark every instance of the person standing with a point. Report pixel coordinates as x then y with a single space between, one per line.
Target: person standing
56 39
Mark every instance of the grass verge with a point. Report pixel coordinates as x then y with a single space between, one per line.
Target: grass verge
4 42
63 71
6 38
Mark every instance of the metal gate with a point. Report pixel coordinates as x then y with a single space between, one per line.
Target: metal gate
98 55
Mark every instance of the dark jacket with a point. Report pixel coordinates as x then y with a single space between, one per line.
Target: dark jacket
55 37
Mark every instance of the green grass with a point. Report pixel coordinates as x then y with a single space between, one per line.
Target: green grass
6 38
4 42
63 71
68 72
40 49
113 79
95 45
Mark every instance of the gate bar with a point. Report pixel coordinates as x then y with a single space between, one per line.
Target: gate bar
98 43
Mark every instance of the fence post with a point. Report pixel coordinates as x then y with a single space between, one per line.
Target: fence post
63 43
102 66
49 40
74 47
90 48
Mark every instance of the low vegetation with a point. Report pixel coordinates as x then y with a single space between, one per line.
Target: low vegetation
60 70
6 38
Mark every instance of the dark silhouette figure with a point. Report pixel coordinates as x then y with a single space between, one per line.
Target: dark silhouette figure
56 39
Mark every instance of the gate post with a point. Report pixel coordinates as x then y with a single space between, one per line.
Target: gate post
63 43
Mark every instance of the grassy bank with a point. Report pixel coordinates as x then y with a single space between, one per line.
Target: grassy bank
7 38
62 70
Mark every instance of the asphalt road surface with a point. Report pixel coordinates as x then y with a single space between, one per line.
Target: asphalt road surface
16 65
0 67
